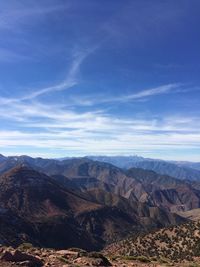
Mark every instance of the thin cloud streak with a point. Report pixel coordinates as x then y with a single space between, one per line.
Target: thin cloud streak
8 56
164 89
144 94
70 80
14 18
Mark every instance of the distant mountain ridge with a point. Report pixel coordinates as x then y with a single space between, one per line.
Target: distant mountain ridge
193 165
96 202
180 170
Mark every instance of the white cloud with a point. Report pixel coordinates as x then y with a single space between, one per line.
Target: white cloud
154 91
58 127
138 96
95 132
70 80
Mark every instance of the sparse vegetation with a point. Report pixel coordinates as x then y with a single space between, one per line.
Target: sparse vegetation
193 265
62 259
173 243
129 258
25 246
143 259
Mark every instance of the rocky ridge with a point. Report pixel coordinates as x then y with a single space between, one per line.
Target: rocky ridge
29 256
175 243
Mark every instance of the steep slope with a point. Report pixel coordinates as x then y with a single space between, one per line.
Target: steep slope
148 216
109 223
56 216
89 218
110 186
36 195
187 171
83 183
167 192
8 163
107 181
115 178
2 158
137 185
193 215
37 200
84 174
180 170
15 229
171 169
175 243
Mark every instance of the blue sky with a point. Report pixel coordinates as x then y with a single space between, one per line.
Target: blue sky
80 77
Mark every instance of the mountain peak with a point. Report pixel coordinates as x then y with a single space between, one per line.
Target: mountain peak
20 168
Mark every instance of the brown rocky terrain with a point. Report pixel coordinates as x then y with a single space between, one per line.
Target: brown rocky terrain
39 209
167 192
87 204
136 184
173 244
26 255
193 214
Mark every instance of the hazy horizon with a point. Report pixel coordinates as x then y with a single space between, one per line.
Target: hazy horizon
100 78
96 155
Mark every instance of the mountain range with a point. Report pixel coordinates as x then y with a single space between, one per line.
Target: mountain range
82 202
178 169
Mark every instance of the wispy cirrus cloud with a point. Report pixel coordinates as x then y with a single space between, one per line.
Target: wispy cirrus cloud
44 126
164 89
84 119
17 20
17 15
7 56
138 96
98 133
70 80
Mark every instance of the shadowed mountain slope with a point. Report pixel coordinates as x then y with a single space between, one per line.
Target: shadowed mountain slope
86 216
168 192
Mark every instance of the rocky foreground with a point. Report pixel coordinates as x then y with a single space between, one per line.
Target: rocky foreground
38 257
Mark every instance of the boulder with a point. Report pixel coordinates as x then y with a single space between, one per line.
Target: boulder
88 261
18 256
64 253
